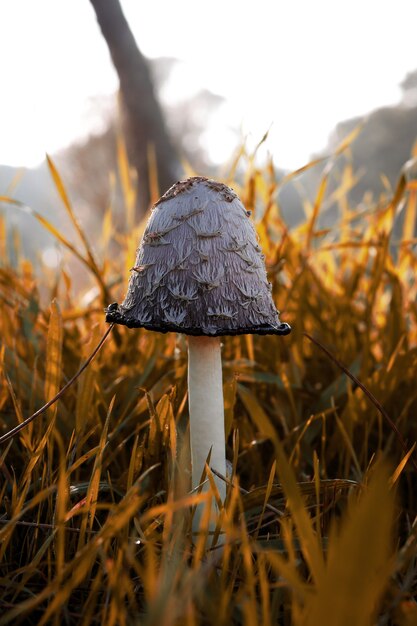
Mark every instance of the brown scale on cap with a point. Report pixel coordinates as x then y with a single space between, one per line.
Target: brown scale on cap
199 269
184 185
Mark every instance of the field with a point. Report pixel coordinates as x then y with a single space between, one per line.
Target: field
320 522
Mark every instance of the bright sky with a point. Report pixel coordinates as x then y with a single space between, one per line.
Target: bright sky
301 66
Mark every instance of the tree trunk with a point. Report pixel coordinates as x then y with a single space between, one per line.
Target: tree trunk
143 120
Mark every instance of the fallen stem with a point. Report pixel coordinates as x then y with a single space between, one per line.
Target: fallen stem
11 433
245 492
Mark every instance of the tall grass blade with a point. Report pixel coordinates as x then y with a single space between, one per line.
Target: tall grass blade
359 561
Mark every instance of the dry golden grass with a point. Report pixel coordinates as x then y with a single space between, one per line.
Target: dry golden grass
319 525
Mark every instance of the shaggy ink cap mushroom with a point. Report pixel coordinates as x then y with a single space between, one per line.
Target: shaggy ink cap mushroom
199 269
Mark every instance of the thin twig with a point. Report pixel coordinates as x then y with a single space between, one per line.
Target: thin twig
11 433
41 526
368 393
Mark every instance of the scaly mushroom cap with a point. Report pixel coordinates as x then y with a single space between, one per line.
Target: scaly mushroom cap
199 269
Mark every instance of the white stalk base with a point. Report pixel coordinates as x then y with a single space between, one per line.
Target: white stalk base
205 400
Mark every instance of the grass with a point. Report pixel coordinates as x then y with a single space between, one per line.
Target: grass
320 522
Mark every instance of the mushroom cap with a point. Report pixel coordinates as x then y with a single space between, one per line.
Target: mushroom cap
199 269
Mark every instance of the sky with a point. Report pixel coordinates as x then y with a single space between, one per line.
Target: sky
294 67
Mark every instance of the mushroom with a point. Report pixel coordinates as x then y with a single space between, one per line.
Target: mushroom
200 271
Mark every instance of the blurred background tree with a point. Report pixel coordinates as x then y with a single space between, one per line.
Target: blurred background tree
385 143
95 159
142 118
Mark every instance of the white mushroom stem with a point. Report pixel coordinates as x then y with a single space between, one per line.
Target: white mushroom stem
205 399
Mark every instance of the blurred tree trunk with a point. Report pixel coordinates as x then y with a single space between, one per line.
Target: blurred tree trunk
143 120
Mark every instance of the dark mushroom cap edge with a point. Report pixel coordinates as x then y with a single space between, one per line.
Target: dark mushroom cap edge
113 315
